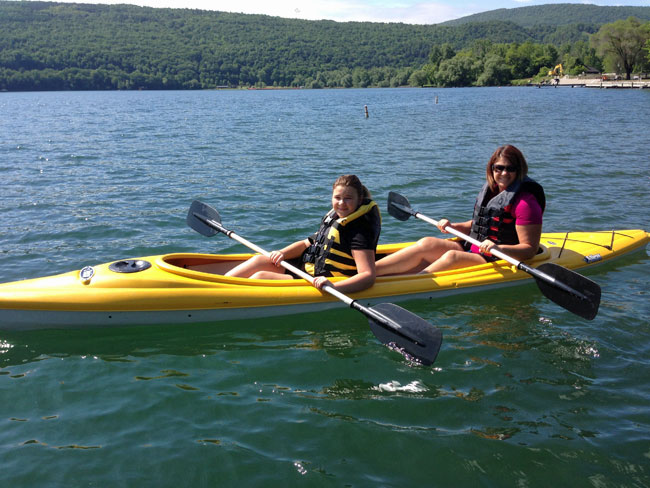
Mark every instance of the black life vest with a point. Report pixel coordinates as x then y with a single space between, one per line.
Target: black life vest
492 218
327 255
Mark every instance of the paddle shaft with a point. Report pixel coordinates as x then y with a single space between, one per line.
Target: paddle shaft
469 239
332 291
537 274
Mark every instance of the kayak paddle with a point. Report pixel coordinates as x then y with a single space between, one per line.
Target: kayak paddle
394 326
563 286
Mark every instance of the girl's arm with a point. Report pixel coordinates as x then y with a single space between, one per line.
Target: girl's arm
365 277
262 263
292 251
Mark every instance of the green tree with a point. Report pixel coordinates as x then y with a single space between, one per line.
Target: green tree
360 78
418 78
526 59
622 42
439 53
495 72
461 70
579 57
401 77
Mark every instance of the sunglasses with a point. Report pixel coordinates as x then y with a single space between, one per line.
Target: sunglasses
500 168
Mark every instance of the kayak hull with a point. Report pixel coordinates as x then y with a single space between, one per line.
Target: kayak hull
24 319
185 288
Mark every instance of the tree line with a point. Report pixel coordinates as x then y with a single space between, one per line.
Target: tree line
620 47
53 46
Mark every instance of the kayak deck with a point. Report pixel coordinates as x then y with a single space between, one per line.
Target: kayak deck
189 287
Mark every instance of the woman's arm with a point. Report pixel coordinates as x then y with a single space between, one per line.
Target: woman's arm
529 236
464 227
528 225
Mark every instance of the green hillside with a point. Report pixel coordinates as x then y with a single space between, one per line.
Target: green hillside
94 46
62 46
556 14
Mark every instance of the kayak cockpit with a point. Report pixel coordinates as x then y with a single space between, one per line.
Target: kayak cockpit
216 264
212 267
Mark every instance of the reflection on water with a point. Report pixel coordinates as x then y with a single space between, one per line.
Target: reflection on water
127 344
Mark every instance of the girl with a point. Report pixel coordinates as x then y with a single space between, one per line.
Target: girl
344 245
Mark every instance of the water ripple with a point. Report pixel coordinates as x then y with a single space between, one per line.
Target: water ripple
521 387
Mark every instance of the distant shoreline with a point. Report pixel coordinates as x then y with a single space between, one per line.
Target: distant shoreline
597 83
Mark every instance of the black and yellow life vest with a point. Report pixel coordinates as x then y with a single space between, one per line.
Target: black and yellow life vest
328 255
492 218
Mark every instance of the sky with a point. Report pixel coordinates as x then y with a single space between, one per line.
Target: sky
406 11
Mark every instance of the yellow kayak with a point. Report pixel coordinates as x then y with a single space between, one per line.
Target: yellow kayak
186 288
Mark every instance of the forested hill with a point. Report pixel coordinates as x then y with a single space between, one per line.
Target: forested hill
556 15
126 47
62 46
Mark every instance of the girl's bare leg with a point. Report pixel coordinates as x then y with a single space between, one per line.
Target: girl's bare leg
269 275
254 265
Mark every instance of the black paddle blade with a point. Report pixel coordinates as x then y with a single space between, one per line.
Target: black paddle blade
197 216
570 290
416 339
399 206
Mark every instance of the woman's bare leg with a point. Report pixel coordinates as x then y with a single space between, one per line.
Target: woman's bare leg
453 260
415 258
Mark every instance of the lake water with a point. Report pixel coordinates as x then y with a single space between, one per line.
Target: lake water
523 393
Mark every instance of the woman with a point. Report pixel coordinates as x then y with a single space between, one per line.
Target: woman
507 217
344 245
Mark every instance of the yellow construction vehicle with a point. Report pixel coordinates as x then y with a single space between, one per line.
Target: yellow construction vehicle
557 71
